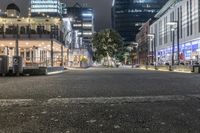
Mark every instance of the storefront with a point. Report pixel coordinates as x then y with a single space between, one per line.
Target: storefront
189 53
34 53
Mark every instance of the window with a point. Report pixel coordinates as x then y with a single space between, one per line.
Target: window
199 13
181 22
165 29
171 20
188 26
160 33
155 32
191 25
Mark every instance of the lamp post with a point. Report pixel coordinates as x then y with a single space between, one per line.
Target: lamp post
175 25
153 47
17 41
173 41
135 44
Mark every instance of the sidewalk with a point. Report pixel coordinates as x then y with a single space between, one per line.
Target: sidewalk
165 69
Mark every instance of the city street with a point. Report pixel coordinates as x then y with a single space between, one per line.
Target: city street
101 101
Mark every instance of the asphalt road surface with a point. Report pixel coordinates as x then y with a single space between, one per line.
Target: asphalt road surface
101 101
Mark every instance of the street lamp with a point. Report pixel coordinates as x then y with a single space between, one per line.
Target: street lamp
175 25
137 50
135 44
153 46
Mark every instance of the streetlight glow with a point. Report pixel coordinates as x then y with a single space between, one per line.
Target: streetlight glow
151 35
175 25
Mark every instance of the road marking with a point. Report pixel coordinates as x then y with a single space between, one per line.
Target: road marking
56 72
195 96
16 102
113 100
162 70
96 100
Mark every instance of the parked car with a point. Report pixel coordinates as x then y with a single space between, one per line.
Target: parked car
118 63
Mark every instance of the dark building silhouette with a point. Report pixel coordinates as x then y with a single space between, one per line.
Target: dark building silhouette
129 15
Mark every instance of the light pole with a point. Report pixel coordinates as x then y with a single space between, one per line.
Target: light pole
153 47
175 25
137 51
173 41
135 44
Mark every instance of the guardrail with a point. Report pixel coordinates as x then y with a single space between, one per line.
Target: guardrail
30 37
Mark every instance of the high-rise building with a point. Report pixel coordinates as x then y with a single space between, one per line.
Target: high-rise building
129 15
47 7
82 23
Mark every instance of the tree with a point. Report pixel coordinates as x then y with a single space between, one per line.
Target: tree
108 43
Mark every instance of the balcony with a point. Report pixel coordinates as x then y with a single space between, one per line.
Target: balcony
30 34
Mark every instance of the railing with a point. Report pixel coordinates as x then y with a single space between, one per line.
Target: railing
39 62
31 36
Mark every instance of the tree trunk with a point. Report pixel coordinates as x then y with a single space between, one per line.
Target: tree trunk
108 59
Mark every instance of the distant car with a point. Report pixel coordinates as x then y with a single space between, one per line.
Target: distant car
118 64
167 64
136 65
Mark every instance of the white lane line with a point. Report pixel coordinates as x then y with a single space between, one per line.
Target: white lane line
96 100
110 100
195 96
17 102
56 72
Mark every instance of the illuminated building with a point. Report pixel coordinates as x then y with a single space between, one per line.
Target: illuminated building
47 7
45 36
40 39
83 23
129 15
185 31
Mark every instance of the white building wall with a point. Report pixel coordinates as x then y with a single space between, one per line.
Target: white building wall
189 40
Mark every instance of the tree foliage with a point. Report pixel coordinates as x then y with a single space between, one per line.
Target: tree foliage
108 42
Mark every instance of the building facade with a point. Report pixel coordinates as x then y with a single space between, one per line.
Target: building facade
41 39
177 32
52 7
82 23
22 4
129 15
144 56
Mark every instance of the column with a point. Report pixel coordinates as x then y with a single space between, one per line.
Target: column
51 52
17 41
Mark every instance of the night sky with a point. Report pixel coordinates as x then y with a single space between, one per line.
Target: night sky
102 10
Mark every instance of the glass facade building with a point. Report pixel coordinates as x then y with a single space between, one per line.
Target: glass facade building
48 7
82 22
129 15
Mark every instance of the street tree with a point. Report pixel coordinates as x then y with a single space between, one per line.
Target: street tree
108 43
